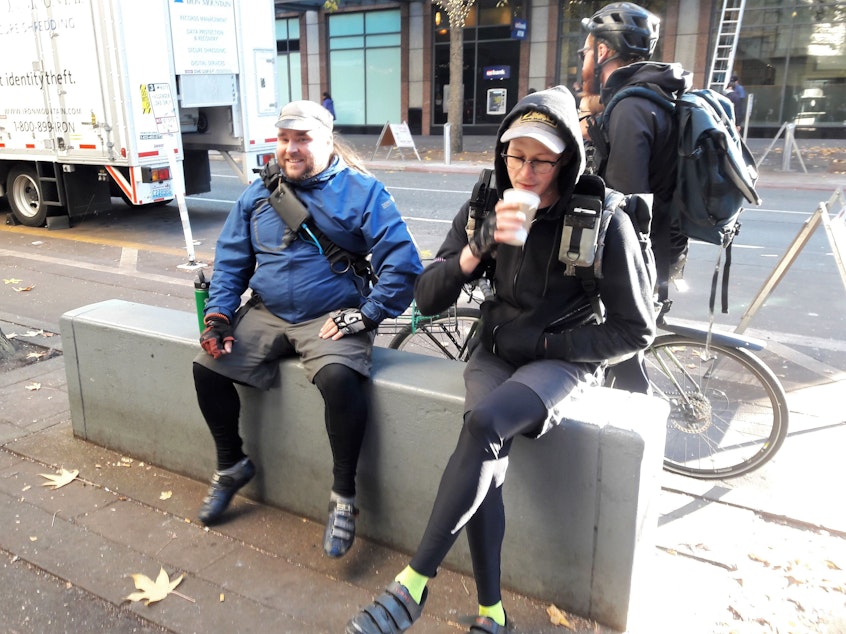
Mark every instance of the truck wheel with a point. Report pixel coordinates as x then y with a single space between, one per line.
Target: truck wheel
24 192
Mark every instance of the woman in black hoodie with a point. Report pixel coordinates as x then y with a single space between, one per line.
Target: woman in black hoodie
540 341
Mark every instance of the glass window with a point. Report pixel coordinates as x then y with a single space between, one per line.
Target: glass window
791 59
288 70
364 67
491 63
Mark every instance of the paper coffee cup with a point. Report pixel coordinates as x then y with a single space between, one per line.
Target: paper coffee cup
529 202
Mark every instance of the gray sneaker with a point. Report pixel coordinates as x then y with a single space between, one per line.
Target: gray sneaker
224 485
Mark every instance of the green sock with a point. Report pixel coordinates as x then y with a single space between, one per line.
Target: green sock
414 581
495 612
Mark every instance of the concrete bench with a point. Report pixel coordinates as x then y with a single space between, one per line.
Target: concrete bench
581 502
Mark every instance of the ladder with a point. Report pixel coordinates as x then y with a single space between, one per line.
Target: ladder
725 46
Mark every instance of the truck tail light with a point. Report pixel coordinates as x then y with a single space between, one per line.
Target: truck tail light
155 174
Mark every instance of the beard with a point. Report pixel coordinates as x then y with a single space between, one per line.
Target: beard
588 86
299 171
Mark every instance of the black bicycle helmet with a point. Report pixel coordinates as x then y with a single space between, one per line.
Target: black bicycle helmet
629 29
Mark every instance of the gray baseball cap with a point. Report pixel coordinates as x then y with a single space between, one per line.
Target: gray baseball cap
304 115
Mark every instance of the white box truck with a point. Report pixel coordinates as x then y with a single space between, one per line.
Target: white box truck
103 98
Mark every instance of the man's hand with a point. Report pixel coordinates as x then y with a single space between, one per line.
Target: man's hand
218 336
346 322
482 243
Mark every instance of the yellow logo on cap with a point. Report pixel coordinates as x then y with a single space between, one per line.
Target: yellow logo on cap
538 117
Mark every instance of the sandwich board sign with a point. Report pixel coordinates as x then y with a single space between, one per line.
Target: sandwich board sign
395 135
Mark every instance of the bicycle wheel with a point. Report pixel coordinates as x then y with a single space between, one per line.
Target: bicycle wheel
728 411
446 335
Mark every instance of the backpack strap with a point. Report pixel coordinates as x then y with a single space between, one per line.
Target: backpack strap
654 94
586 220
597 127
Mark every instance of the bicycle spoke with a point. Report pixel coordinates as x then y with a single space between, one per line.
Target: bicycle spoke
728 413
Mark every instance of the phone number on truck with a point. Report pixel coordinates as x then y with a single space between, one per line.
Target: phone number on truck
44 126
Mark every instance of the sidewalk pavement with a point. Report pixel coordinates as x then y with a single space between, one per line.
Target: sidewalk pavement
761 553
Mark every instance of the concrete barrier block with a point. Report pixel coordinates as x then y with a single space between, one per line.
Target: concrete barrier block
580 502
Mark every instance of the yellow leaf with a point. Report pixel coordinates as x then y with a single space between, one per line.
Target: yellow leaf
36 355
151 591
221 597
23 289
831 565
34 386
557 617
165 495
11 281
61 479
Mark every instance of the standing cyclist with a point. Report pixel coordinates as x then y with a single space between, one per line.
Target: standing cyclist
302 305
640 135
539 344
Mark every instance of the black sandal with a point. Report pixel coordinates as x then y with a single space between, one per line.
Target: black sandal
486 625
392 612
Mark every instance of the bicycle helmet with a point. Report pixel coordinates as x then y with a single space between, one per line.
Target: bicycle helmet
629 29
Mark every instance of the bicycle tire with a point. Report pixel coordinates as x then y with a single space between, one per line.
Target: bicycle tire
446 336
728 411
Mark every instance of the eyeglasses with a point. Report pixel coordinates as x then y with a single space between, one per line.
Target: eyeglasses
538 167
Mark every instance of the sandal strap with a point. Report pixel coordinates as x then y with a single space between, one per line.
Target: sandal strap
393 611
486 625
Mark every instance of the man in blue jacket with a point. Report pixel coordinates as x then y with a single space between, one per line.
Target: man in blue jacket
301 303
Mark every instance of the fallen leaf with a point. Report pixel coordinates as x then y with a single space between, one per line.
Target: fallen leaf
557 617
153 591
165 495
33 387
33 539
33 333
832 565
61 479
36 355
11 281
23 289
221 597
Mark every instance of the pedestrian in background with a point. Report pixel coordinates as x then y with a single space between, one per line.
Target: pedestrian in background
329 104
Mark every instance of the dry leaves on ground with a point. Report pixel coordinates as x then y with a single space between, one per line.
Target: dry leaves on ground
58 480
152 591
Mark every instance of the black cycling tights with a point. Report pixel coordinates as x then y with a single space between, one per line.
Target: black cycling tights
343 391
345 414
470 492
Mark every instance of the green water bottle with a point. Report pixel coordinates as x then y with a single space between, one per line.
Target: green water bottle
201 296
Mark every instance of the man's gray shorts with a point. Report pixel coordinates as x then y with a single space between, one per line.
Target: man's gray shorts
262 339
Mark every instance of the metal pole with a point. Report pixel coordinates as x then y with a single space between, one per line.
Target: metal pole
447 132
788 147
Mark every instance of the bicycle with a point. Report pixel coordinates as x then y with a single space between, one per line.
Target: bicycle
447 334
728 410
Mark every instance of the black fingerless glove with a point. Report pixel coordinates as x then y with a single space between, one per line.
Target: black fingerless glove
218 331
351 320
482 243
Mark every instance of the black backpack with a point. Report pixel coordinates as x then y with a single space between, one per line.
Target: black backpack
716 172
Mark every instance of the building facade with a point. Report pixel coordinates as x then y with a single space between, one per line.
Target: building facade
388 62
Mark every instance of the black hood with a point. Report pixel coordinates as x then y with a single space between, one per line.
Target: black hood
670 78
558 103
